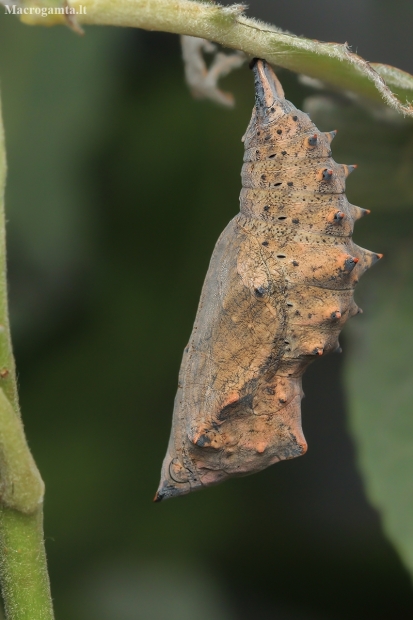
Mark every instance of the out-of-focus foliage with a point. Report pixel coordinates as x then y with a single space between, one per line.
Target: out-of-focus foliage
55 102
114 204
379 372
380 384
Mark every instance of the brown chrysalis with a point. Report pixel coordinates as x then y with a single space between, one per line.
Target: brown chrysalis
278 291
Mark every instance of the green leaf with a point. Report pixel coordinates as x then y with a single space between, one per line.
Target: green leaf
379 379
400 82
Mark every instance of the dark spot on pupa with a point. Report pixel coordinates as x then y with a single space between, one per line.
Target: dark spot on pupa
265 243
309 315
283 152
263 177
290 183
295 263
202 441
349 264
260 291
244 403
295 118
266 208
279 131
295 221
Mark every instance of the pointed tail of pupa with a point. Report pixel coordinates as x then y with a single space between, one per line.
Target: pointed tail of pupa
269 94
268 89
174 478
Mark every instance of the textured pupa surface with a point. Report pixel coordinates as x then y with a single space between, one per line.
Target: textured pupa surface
278 291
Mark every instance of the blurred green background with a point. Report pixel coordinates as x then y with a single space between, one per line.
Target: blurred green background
119 185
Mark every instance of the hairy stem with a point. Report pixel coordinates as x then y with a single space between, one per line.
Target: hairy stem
333 63
23 570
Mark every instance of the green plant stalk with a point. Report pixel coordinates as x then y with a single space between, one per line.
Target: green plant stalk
332 63
23 569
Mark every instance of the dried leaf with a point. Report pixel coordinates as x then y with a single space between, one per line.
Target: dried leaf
203 80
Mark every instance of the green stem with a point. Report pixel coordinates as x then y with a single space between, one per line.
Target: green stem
23 569
332 63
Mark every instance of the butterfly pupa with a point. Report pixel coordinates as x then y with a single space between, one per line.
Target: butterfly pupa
277 293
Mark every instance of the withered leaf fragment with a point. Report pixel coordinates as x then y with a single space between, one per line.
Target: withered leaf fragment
278 291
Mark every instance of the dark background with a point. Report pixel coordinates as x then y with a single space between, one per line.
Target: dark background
119 185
